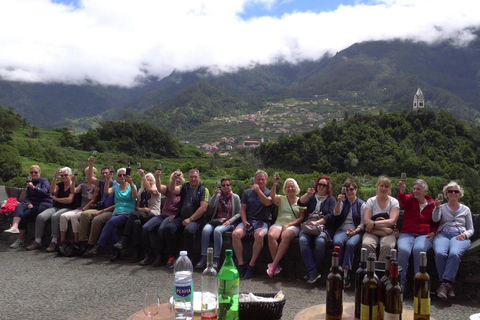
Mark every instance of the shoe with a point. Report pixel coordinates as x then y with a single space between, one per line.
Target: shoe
136 256
347 283
149 259
115 255
241 270
17 244
121 244
34 246
216 263
52 247
157 262
250 272
270 270
442 291
451 292
170 262
313 277
202 263
12 230
92 252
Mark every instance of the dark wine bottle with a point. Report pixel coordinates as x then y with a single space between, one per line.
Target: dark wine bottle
382 285
334 305
359 275
129 169
421 293
339 251
393 295
369 305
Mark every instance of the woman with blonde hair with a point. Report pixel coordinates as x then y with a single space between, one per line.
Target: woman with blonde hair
452 239
380 216
287 226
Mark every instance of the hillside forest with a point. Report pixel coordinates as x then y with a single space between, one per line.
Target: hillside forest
434 146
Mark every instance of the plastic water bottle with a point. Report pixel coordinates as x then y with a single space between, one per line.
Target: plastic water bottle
183 288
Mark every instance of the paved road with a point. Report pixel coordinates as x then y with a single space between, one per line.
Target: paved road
36 285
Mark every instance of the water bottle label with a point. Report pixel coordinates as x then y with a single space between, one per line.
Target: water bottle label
184 292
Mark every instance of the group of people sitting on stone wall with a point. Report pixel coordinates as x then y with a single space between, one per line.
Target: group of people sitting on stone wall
97 208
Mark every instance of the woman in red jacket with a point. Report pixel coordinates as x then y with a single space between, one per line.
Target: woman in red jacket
418 229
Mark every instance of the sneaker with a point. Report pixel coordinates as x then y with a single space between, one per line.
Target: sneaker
157 262
202 263
92 252
52 247
270 270
442 291
313 277
250 272
17 244
12 230
451 292
121 244
34 246
347 281
115 255
170 262
241 270
216 262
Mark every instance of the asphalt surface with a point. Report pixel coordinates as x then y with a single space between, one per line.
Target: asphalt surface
38 285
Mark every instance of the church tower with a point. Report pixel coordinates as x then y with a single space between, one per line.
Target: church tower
418 100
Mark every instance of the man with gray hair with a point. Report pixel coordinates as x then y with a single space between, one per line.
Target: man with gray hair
418 229
256 214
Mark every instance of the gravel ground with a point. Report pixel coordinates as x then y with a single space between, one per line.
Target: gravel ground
37 285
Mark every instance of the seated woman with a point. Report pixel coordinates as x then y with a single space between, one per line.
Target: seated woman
226 206
63 201
451 241
380 216
418 229
89 195
318 199
287 225
153 238
36 200
349 225
125 200
148 206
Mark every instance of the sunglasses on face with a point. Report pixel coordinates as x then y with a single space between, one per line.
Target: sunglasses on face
453 191
64 175
350 189
121 175
322 185
225 185
105 172
33 172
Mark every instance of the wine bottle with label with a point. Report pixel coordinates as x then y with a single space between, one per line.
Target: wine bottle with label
369 305
421 293
359 275
334 305
393 295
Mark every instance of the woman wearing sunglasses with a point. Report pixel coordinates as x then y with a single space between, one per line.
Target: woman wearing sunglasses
451 241
225 206
318 199
37 200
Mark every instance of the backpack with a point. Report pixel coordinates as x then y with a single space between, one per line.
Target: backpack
69 249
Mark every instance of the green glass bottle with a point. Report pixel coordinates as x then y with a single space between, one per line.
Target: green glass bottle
228 289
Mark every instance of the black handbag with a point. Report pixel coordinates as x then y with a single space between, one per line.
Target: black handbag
217 222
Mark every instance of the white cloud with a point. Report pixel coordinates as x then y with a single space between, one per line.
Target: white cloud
112 41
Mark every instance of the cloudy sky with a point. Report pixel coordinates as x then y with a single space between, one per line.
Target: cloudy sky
115 42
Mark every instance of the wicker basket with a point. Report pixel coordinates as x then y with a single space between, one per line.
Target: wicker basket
261 310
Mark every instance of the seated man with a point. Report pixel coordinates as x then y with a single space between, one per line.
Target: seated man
193 204
256 214
93 220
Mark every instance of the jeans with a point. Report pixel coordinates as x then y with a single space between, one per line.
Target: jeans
217 238
153 238
173 228
448 252
312 258
405 243
24 213
347 247
111 228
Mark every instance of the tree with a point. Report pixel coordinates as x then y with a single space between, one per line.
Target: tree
10 167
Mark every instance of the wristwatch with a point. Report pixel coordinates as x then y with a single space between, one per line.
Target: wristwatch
191 219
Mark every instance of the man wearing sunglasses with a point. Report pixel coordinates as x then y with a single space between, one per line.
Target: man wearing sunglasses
92 221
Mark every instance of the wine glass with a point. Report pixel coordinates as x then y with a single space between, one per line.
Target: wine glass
344 190
440 196
151 304
312 183
403 176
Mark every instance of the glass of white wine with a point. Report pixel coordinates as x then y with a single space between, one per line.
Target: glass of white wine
403 176
440 196
151 304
